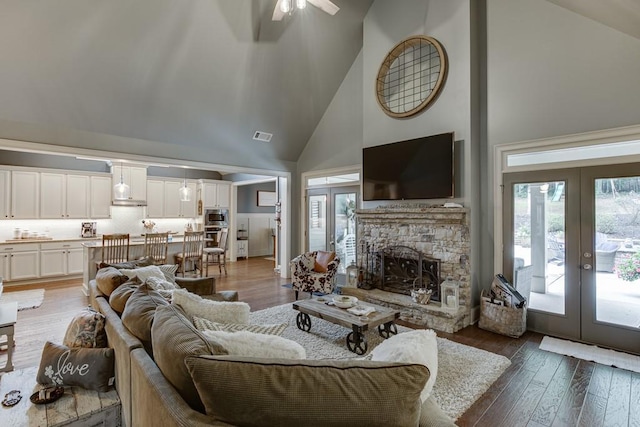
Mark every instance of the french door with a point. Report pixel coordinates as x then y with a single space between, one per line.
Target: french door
572 244
331 224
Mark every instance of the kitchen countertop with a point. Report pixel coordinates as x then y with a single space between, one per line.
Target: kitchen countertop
61 239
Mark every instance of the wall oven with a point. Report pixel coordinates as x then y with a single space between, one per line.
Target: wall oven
214 221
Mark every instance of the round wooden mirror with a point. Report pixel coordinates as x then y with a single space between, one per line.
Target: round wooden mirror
411 76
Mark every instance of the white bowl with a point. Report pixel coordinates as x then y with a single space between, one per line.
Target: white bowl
344 301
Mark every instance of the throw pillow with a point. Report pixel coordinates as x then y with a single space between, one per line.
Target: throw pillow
141 262
323 259
108 279
86 330
308 393
169 271
175 338
90 368
245 343
215 311
419 346
143 273
138 314
203 324
121 294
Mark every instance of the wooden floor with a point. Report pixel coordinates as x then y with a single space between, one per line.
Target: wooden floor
538 389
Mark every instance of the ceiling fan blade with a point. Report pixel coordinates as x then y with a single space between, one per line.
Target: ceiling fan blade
278 14
325 5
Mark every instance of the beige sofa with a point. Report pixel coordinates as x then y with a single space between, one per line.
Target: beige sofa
149 399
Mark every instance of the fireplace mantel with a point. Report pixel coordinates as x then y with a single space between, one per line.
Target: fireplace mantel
435 231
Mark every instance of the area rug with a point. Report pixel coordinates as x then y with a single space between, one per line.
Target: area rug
464 373
591 353
26 299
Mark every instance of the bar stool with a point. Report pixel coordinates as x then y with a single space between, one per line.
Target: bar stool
219 254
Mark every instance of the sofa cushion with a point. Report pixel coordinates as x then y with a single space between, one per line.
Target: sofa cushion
119 297
280 392
86 330
90 368
108 279
169 271
138 313
251 344
215 311
419 346
141 262
143 273
174 339
273 329
323 259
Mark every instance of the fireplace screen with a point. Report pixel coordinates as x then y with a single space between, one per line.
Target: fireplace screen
403 269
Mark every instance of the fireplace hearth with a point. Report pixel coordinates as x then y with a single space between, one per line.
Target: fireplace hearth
408 247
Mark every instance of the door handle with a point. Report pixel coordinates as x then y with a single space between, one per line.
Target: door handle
587 266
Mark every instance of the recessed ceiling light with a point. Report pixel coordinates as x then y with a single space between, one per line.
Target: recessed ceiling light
262 136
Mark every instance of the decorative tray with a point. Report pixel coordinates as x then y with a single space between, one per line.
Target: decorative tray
47 395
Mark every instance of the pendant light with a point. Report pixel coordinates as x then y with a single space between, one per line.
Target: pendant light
184 191
121 191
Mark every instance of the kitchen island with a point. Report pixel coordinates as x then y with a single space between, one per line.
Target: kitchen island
92 253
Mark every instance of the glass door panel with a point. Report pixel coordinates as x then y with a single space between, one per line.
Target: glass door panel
539 257
540 250
317 222
344 221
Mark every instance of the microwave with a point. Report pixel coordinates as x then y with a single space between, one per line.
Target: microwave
215 217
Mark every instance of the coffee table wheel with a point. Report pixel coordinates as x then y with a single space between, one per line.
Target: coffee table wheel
303 321
357 343
387 329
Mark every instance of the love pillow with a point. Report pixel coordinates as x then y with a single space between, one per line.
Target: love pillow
90 368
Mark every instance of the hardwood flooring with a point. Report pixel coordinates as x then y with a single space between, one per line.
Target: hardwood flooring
538 389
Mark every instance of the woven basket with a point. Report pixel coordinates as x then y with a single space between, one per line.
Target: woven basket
509 321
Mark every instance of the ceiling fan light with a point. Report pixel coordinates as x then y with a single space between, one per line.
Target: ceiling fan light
301 4
285 6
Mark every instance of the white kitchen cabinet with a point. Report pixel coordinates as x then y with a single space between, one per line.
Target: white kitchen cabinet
155 198
20 261
173 206
216 195
135 177
5 192
64 195
100 197
60 258
25 194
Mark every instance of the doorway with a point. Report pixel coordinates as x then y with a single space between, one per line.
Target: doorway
572 245
331 223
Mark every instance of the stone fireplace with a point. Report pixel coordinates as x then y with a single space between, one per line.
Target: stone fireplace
404 247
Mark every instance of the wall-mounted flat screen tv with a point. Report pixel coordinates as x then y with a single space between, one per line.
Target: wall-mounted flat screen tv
420 168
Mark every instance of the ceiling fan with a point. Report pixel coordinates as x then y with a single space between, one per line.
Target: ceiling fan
286 7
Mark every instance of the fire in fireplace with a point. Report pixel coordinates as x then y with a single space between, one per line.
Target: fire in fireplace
403 269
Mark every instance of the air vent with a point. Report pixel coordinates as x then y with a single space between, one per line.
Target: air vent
262 136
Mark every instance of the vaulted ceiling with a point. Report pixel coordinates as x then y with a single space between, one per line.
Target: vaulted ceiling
199 75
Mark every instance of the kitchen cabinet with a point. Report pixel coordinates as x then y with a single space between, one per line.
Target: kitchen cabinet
25 194
163 199
20 261
100 197
5 191
155 198
135 177
216 195
64 195
60 258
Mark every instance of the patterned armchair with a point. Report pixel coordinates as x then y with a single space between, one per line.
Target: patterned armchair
314 272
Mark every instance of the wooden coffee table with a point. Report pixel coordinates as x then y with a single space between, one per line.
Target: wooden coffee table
383 318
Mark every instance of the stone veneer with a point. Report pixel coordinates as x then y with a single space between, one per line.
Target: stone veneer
437 232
